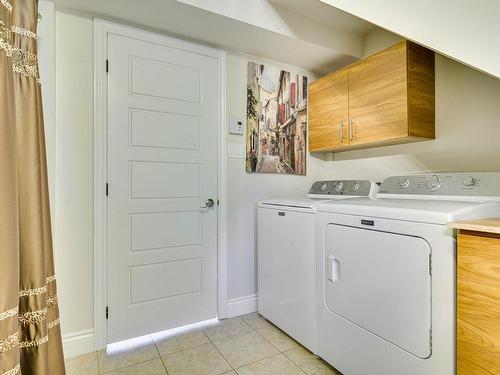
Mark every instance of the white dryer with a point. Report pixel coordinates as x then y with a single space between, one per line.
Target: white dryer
386 280
287 256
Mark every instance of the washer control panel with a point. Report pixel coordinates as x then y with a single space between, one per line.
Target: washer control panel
453 184
342 187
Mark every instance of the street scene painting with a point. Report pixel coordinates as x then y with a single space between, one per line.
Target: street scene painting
276 121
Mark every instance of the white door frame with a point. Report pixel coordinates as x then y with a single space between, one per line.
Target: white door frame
101 30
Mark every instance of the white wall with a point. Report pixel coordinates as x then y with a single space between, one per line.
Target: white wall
467 127
245 190
74 171
466 30
74 176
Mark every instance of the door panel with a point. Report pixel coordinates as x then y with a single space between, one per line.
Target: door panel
328 112
378 97
184 277
381 282
164 180
164 130
162 165
164 80
164 229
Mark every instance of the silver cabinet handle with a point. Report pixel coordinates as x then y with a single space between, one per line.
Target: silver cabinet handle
351 131
209 203
342 131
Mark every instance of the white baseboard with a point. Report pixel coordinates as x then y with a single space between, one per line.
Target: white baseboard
241 305
77 343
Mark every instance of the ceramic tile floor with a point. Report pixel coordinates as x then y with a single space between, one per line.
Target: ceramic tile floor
246 345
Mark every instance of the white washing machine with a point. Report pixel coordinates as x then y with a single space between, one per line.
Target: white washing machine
386 280
287 256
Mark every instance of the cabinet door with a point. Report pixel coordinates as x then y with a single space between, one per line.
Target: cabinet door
328 112
378 97
478 305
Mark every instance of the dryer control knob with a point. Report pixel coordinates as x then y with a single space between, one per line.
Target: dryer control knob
403 183
469 181
323 187
355 186
338 186
434 182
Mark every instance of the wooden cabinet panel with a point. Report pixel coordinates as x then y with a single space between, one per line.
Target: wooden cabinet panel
384 99
478 304
421 91
328 112
378 97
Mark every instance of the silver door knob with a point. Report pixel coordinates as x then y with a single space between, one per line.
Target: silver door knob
209 203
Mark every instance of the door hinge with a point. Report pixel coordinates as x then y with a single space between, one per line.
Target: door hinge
107 312
107 189
218 202
107 66
430 264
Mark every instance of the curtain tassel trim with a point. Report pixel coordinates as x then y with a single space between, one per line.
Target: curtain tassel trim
39 290
33 343
13 371
9 313
32 317
53 323
9 343
23 62
7 4
23 32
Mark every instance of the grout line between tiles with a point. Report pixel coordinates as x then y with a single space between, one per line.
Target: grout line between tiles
215 346
181 350
97 360
246 364
281 352
336 372
124 367
137 363
159 355
295 364
255 330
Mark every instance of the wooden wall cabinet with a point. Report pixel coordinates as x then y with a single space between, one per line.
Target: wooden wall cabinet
384 99
478 304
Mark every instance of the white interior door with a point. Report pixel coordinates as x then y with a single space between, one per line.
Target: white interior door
163 115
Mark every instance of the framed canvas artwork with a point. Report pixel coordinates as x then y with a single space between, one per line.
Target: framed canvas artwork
276 121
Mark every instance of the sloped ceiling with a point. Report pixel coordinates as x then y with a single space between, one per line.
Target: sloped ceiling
326 14
465 30
256 27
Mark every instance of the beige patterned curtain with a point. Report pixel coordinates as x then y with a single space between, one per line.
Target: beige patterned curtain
30 337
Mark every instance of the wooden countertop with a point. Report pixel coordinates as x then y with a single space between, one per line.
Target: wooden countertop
489 225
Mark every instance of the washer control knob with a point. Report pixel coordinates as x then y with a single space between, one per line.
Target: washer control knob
323 186
403 183
469 181
434 182
355 186
337 186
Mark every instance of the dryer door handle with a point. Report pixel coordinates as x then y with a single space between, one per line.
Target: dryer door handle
333 270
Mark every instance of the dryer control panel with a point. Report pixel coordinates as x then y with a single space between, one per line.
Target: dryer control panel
446 184
359 188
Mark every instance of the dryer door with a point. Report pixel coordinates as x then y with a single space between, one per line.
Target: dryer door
381 282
